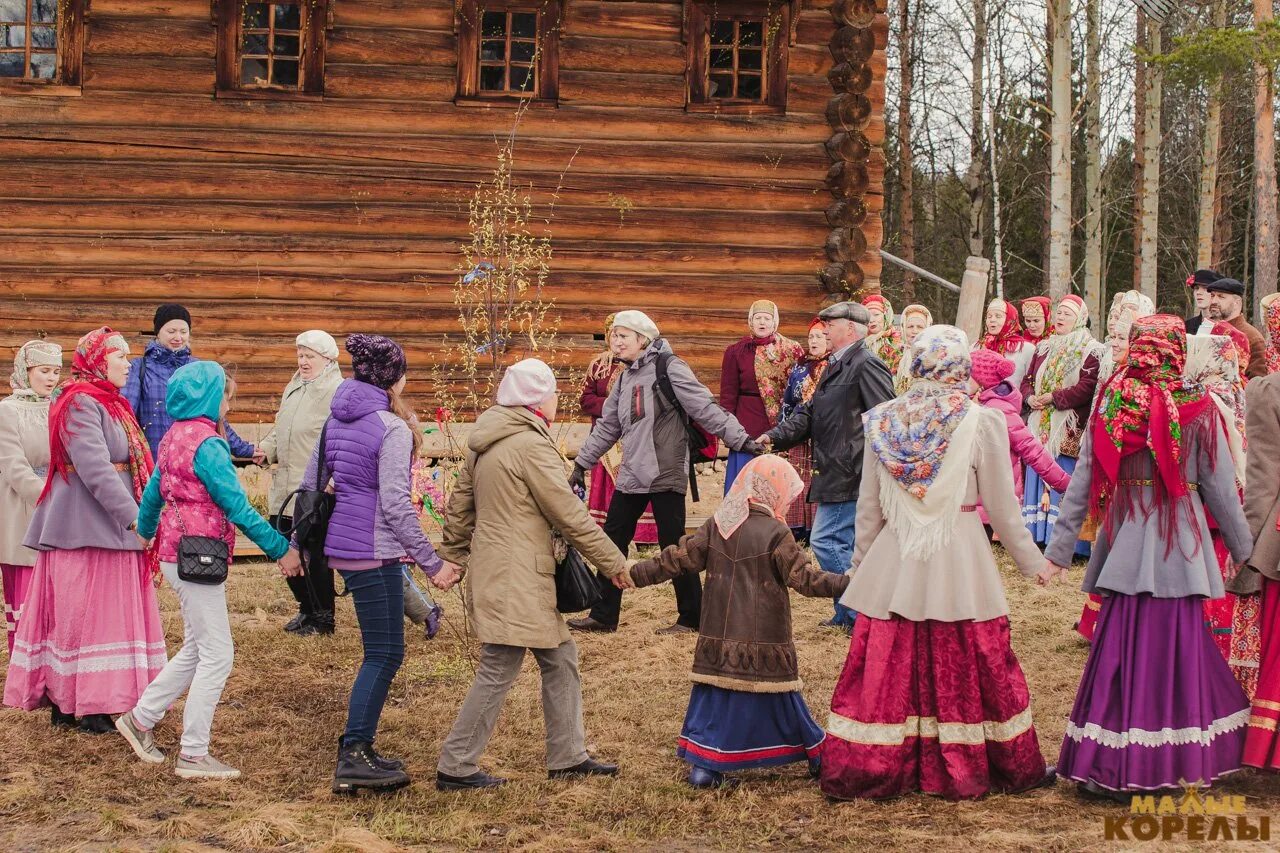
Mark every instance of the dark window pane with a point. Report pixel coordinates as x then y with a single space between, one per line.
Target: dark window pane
522 51
493 51
253 72
45 11
748 58
11 36
44 66
722 58
255 16
287 46
13 10
11 64
255 44
288 17
521 78
44 37
721 86
749 86
494 25
285 72
722 32
751 32
524 25
491 79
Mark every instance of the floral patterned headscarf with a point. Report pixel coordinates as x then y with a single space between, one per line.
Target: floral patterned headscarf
910 435
1009 339
1145 407
1214 362
1271 317
768 481
886 343
1042 305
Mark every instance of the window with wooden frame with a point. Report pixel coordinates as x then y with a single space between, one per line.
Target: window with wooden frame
737 54
272 49
41 46
508 50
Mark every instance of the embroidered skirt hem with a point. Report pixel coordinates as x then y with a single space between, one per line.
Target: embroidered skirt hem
727 730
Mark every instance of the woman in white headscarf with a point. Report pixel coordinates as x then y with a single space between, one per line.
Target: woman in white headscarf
304 408
24 463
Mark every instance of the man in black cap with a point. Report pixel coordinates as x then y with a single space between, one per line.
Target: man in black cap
854 381
1199 282
1226 305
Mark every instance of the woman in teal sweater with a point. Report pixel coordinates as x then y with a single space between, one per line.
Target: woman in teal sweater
195 491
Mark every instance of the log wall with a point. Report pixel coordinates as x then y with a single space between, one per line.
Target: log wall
267 218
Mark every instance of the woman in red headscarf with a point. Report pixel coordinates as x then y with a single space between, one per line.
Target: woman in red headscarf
883 338
1157 705
90 640
1003 336
1035 318
801 383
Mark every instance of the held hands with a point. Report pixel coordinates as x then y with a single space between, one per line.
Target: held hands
755 447
578 478
447 577
290 564
622 580
259 457
1050 572
142 540
764 442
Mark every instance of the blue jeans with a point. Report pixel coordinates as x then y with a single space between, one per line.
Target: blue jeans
379 599
832 543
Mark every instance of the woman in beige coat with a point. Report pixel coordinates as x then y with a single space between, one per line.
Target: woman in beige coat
509 497
24 463
304 407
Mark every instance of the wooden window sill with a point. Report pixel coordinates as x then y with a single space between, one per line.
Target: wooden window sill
505 101
265 95
38 89
735 109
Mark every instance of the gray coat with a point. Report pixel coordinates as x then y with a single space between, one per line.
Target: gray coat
1135 562
94 506
655 449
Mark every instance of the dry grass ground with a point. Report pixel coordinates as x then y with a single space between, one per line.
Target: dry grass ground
285 705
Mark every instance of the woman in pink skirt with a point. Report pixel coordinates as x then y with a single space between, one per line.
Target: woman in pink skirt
24 462
90 639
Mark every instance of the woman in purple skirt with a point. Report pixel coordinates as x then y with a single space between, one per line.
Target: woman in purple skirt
1157 705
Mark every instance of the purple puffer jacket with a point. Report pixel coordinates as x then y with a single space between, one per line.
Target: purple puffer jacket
369 451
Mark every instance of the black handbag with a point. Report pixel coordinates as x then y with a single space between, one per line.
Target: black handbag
201 559
312 507
577 588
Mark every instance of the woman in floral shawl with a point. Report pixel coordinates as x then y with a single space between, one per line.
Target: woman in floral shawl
932 697
1004 336
801 384
753 378
915 319
883 338
1059 389
1157 705
90 639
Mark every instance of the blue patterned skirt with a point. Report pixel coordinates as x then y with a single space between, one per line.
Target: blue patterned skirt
1040 506
727 730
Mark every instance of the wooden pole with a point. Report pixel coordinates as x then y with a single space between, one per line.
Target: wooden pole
973 296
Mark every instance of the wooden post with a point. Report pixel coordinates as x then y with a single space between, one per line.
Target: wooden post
973 295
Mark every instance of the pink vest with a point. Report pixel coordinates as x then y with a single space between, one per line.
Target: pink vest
179 485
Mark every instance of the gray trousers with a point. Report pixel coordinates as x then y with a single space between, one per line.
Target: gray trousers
561 707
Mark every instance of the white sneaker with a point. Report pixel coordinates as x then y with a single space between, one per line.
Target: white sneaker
144 745
204 767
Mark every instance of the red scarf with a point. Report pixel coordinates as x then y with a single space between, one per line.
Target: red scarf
89 379
1009 339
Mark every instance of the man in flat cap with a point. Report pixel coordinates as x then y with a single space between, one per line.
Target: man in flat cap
1199 282
1226 305
854 382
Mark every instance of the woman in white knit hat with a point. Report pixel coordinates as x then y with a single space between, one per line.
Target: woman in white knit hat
304 407
510 495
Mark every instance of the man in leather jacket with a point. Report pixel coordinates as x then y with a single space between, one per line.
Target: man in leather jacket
854 382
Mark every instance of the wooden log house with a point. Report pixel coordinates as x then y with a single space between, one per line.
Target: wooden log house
284 165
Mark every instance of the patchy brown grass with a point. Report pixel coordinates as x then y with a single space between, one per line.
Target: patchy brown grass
286 704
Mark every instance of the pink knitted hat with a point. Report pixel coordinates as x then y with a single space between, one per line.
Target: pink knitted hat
990 368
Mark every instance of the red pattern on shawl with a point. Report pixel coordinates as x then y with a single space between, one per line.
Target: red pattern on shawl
1010 338
89 379
1271 319
1045 305
1145 407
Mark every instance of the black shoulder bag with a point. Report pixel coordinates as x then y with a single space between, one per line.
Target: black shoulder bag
312 507
201 559
696 440
577 588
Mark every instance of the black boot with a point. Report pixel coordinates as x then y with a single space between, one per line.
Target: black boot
320 622
385 762
295 624
61 720
97 724
357 769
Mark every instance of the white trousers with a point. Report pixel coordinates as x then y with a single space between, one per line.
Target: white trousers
199 669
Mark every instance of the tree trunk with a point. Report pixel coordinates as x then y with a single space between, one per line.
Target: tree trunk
1209 161
973 177
1264 171
1149 221
906 160
1139 141
1094 293
1059 268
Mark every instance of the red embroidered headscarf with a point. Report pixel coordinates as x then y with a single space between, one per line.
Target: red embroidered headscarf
1146 406
89 379
1271 319
1043 304
1010 338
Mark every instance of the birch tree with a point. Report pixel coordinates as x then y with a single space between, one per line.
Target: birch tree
1058 269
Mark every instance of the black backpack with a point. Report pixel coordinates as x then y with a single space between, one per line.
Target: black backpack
697 439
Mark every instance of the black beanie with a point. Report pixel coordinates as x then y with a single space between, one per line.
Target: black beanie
170 311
